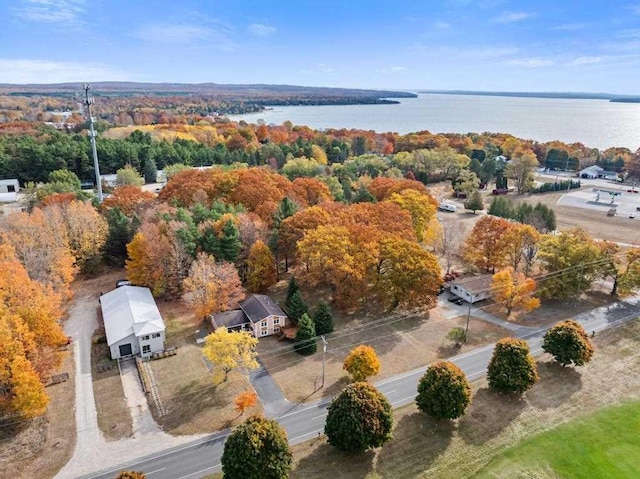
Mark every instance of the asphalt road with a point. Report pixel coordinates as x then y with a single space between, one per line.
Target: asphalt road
303 422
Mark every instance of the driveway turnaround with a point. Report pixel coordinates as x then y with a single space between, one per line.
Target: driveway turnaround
202 457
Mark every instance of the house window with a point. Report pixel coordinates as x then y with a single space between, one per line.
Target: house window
146 349
276 321
145 337
263 332
263 324
155 335
276 329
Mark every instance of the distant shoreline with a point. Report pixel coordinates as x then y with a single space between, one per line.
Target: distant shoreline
612 97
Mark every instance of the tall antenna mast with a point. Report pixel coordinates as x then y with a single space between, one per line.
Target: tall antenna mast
88 101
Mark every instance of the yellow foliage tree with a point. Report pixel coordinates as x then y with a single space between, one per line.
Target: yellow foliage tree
514 290
261 267
362 363
423 212
230 350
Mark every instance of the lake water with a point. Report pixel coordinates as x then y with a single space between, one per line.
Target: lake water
595 123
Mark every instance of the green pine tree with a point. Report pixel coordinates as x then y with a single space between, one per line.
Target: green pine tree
229 244
305 340
363 195
291 288
323 319
474 203
120 233
285 209
297 306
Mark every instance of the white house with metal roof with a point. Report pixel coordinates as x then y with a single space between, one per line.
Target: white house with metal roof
132 322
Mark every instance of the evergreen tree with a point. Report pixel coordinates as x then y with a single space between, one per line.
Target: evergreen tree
305 340
363 195
347 191
286 208
291 288
150 171
257 449
228 245
297 306
119 235
474 203
323 319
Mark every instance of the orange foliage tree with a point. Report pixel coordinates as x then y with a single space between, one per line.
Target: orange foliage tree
212 287
485 246
128 198
245 400
41 244
514 290
260 190
310 191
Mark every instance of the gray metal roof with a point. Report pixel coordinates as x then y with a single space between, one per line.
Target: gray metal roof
260 306
130 310
475 284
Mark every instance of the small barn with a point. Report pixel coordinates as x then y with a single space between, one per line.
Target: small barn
473 289
132 322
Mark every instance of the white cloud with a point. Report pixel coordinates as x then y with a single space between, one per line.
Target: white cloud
66 12
585 60
392 69
318 68
513 17
571 27
531 62
261 30
45 71
184 35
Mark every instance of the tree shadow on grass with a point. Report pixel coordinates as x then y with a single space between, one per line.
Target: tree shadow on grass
557 385
196 396
489 414
327 461
418 441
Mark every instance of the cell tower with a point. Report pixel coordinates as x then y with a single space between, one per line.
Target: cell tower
88 101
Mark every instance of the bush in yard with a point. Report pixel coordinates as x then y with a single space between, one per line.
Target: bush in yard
323 319
568 342
443 391
359 418
474 203
362 362
458 335
512 369
305 340
257 449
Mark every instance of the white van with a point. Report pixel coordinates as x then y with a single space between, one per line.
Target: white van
447 207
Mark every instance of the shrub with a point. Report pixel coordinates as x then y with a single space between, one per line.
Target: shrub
443 391
512 368
568 342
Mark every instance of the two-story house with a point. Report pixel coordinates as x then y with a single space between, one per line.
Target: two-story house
258 314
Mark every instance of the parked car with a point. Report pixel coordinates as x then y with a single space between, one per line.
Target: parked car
632 215
447 207
453 299
459 301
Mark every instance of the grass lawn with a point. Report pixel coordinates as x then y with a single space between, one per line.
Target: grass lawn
605 445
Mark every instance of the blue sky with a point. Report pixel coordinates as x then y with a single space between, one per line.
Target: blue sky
591 46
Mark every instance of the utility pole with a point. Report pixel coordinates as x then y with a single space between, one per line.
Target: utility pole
88 101
324 356
466 330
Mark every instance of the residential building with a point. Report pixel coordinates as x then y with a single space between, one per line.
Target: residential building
473 289
258 314
132 322
8 190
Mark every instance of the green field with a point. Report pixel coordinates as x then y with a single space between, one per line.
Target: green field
603 445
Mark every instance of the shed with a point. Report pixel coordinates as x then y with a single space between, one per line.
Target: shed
473 289
8 190
132 322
